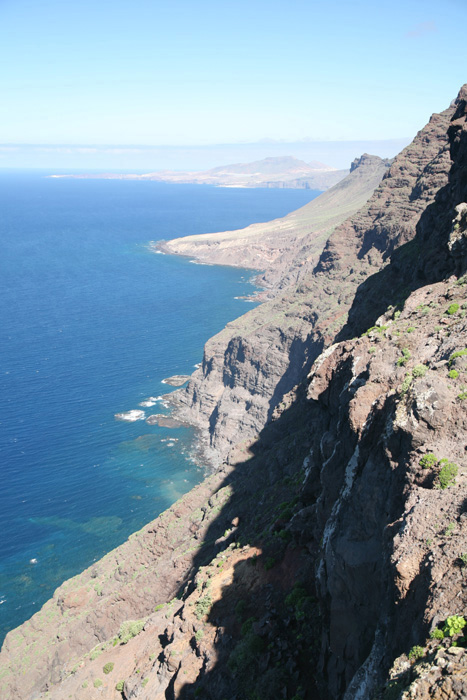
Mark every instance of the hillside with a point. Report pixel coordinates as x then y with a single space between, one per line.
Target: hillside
327 560
250 367
282 247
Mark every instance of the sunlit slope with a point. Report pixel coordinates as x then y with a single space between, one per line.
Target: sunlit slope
264 245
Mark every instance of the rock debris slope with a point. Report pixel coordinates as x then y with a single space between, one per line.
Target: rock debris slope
330 562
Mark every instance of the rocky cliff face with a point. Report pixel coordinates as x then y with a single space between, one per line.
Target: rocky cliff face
250 367
391 459
318 565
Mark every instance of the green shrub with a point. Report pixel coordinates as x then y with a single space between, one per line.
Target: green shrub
119 686
452 309
296 595
458 353
373 329
199 635
453 374
462 396
97 683
410 329
129 629
159 607
419 370
450 529
203 606
428 461
248 626
145 682
416 652
406 355
269 563
245 653
454 625
109 667
447 474
95 653
437 634
463 558
405 386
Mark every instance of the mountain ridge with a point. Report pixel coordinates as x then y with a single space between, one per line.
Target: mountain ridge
250 367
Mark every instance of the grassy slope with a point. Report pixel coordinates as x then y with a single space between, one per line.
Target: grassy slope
319 217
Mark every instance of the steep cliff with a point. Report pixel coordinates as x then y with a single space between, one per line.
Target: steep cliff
318 565
250 367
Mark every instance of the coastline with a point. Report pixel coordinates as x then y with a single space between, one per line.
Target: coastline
124 504
313 552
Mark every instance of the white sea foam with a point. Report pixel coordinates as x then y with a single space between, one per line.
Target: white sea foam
147 403
131 416
151 246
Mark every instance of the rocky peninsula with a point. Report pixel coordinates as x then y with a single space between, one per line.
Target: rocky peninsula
325 556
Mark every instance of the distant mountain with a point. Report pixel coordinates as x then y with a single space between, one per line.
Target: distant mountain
281 171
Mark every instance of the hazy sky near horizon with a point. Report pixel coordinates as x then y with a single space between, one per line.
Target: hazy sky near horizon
196 73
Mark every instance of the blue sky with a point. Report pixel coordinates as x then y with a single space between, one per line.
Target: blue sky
199 73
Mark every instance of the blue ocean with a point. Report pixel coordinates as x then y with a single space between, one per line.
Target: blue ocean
91 322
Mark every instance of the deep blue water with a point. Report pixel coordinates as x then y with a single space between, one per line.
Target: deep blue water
91 321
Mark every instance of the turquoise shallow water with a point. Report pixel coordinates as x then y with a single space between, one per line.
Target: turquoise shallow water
91 321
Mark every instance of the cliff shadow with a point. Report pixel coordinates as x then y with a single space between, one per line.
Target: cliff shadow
267 619
265 612
302 354
254 581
